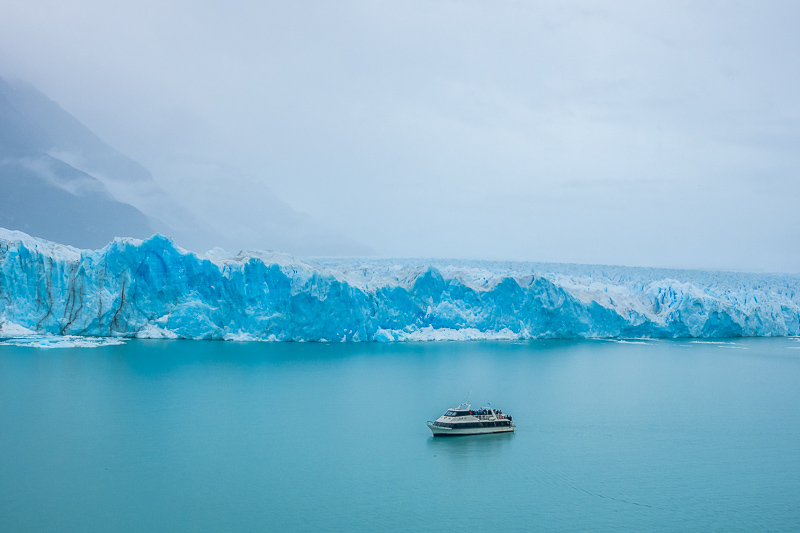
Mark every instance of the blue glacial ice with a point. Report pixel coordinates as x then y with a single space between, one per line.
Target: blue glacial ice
155 289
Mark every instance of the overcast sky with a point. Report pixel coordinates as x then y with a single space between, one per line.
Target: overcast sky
637 133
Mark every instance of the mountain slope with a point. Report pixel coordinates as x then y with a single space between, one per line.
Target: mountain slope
36 132
63 183
46 196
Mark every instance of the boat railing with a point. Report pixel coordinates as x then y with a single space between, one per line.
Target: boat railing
492 417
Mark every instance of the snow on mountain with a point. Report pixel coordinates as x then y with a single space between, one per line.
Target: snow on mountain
155 289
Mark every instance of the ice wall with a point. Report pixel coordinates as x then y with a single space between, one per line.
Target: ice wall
155 289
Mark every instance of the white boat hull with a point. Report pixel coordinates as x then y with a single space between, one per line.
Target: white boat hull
461 432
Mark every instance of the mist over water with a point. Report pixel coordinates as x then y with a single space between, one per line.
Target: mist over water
203 436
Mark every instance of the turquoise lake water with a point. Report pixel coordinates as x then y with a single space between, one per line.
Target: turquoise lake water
222 436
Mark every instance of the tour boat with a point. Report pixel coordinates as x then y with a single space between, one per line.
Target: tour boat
463 420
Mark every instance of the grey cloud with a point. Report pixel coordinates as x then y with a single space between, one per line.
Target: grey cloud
623 132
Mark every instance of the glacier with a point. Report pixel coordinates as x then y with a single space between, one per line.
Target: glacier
155 289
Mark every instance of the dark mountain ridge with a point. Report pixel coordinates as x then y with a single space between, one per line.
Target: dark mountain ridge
61 182
46 196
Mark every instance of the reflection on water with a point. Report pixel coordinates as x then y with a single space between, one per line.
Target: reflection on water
473 447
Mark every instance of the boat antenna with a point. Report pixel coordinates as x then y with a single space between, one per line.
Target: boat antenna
468 397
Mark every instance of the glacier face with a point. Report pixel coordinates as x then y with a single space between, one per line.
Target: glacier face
154 289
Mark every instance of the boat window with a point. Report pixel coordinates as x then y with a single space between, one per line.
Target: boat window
456 413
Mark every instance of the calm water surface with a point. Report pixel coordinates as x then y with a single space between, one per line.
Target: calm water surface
220 436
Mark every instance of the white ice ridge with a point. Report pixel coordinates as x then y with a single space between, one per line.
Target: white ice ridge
154 289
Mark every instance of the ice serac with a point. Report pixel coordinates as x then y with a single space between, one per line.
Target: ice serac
155 289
